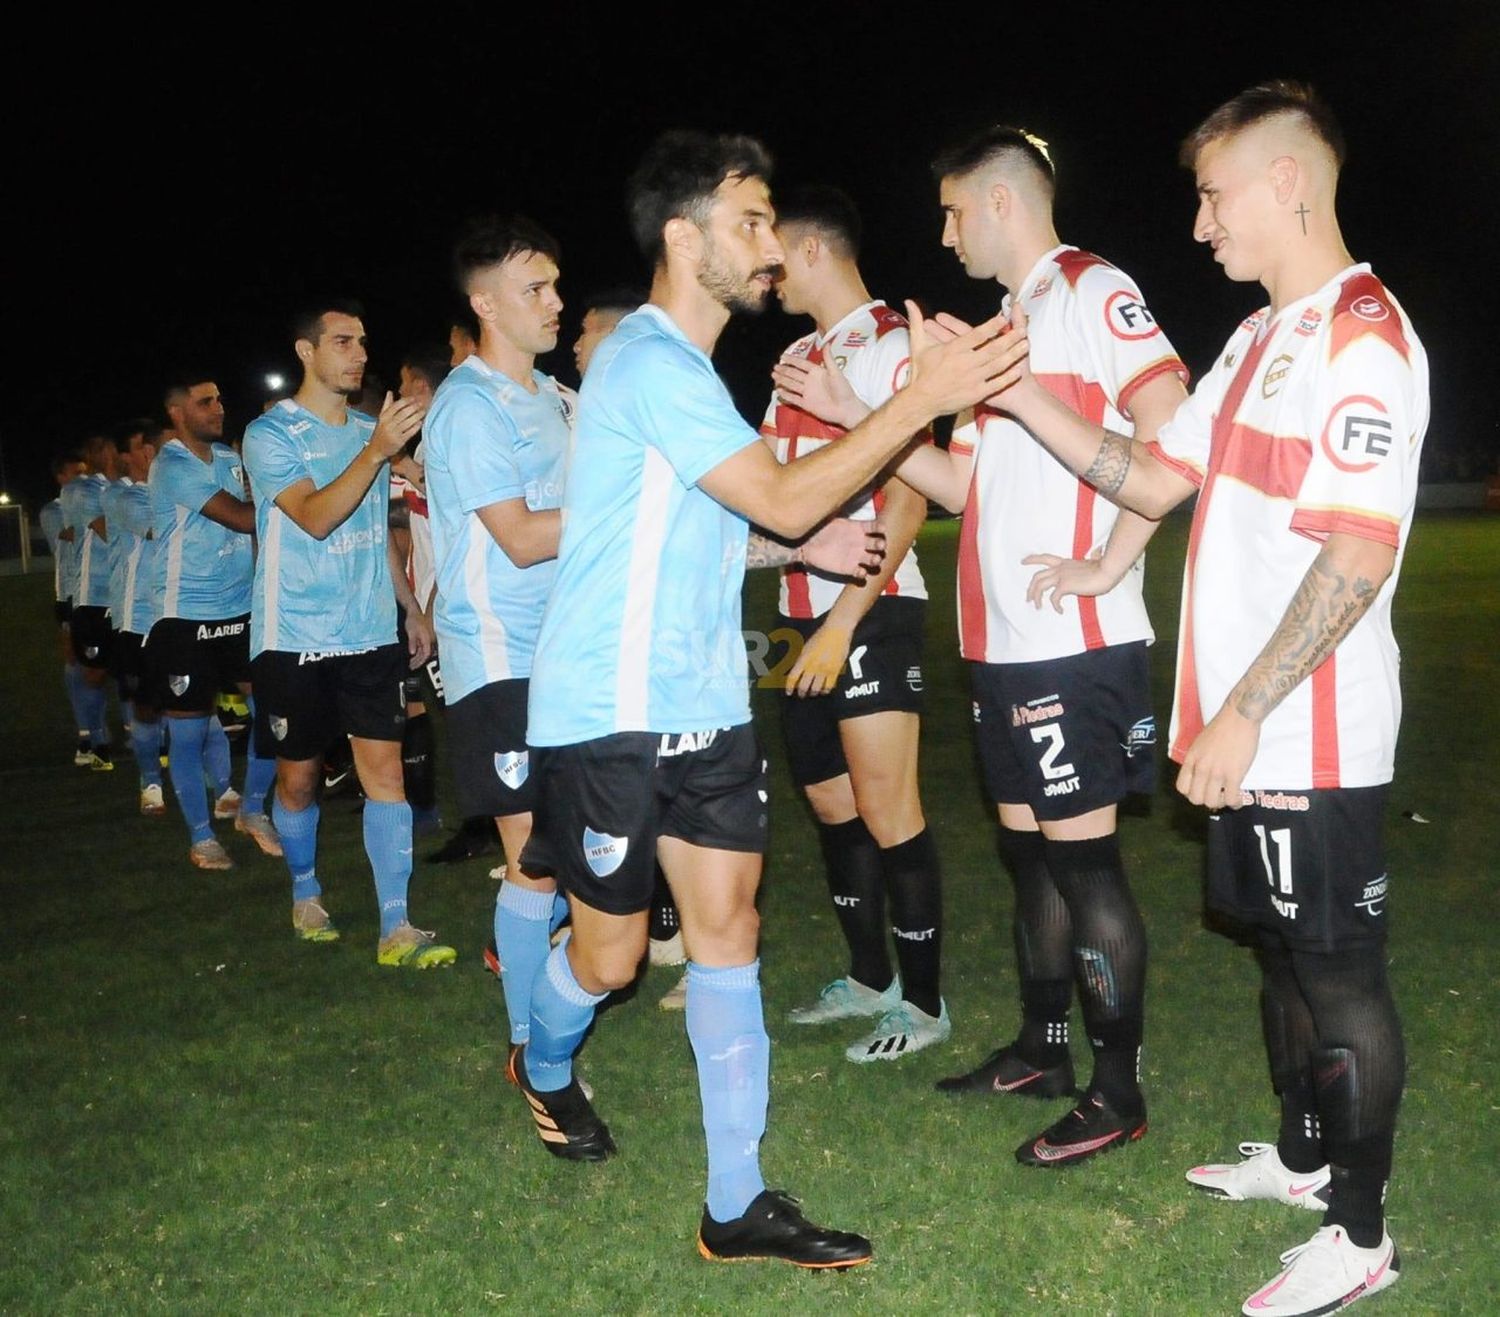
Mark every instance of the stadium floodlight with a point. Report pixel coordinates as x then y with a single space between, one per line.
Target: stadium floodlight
275 381
4 500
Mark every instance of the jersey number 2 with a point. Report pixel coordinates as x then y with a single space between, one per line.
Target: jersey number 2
1051 769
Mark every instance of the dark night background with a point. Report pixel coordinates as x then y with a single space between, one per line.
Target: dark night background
178 184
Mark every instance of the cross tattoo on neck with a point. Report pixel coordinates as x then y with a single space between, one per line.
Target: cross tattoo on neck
1302 214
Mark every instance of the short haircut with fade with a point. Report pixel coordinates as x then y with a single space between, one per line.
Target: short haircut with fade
308 322
678 178
494 239
829 210
998 144
182 381
430 361
614 301
1264 101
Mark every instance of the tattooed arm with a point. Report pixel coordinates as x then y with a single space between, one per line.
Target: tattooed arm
840 547
1337 591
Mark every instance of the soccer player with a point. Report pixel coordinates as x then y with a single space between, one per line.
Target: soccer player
200 643
1302 443
67 467
88 624
854 693
601 313
323 639
495 444
1062 701
639 717
132 606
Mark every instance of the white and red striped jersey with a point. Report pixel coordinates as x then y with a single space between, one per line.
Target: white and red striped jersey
872 348
421 563
1093 345
1310 423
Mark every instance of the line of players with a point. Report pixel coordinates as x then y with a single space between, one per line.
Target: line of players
589 554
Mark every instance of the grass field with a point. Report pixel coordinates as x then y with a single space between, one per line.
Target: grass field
203 1115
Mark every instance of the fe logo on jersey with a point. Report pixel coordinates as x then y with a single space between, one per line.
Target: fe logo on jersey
1357 435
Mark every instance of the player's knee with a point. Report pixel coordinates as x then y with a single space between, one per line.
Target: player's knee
607 966
832 801
728 936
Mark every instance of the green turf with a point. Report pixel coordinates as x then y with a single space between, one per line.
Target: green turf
201 1114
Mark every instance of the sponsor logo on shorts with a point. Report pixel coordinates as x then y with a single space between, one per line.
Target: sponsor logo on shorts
846 902
278 727
1141 736
178 684
914 677
1280 800
976 710
863 688
603 853
1372 899
684 743
513 767
1064 788
1036 711
1286 909
318 655
206 632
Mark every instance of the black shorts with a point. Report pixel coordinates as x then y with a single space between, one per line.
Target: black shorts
1066 736
304 701
188 662
62 610
1309 865
92 636
602 805
127 666
883 673
487 739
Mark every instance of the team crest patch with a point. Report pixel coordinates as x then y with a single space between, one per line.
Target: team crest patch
178 684
1141 736
278 727
513 767
603 853
914 677
1275 376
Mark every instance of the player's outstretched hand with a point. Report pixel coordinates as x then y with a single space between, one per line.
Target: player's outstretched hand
820 390
816 671
1061 577
1216 763
420 639
400 418
842 547
953 366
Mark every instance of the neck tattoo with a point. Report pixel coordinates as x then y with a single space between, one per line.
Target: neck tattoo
1302 214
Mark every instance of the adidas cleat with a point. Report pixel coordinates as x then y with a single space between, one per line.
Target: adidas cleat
209 854
512 1077
847 999
1092 1127
900 1033
313 923
1326 1274
153 803
565 1122
227 806
260 830
1003 1071
1263 1175
774 1229
414 948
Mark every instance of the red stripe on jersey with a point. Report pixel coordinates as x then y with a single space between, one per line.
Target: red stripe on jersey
1166 366
886 319
1320 523
1273 465
1089 400
972 628
1072 264
1364 307
1189 704
878 500
1184 469
798 593
414 501
1325 724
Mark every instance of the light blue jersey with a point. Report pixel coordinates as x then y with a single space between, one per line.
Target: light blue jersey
82 502
202 569
132 594
486 440
642 632
64 570
332 595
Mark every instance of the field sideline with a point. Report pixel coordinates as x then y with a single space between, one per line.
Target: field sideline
202 1114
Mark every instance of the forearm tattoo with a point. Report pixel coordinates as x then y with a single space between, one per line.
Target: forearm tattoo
763 551
1110 465
1323 611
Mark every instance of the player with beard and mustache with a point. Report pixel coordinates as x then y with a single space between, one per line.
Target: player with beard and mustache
639 715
